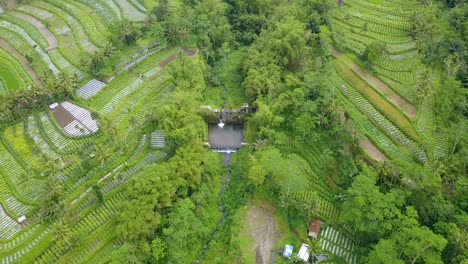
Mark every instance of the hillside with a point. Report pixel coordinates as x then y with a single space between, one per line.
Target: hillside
353 113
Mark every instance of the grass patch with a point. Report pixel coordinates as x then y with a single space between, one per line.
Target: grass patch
228 71
8 80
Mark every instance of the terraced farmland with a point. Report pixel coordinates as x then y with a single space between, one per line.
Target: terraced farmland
118 127
55 35
29 147
37 157
387 93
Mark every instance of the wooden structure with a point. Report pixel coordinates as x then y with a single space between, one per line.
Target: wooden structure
314 228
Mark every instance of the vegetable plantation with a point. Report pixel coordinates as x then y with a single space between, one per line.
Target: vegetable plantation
353 115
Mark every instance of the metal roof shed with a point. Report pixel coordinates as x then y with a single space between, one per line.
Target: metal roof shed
288 249
304 252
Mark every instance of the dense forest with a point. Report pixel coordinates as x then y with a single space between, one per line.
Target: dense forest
312 69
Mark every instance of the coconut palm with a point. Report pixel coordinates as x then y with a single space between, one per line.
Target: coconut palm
127 31
103 153
109 49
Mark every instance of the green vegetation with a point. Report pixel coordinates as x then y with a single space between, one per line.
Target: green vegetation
359 122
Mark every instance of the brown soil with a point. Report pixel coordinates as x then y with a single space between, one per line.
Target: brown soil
190 52
262 229
409 109
6 46
372 150
167 61
62 116
40 26
187 51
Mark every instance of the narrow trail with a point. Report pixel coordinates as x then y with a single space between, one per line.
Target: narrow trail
409 109
51 39
100 180
6 46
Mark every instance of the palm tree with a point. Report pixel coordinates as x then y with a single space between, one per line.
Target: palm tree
127 31
109 49
424 85
103 153
385 173
68 83
321 119
260 144
62 231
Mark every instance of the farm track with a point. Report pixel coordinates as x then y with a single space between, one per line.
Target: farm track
51 39
409 109
5 45
372 150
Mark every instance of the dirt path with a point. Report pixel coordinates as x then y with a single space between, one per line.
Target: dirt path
51 39
372 150
187 51
262 229
5 45
409 109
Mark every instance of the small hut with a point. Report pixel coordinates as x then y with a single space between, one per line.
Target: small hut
287 252
314 228
22 219
304 252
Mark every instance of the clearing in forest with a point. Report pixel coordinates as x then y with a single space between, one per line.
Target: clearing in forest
262 229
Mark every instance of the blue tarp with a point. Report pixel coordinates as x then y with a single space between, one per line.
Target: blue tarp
288 249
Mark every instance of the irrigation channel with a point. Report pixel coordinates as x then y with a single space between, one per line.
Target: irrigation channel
224 139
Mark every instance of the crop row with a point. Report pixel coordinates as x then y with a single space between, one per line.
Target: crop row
133 86
150 158
16 71
86 225
112 6
334 241
57 138
364 39
130 11
377 99
392 12
104 11
31 188
359 20
12 258
383 122
34 133
426 120
33 32
442 140
93 26
25 37
61 22
67 39
18 240
124 107
394 45
16 137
